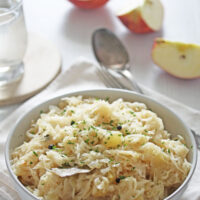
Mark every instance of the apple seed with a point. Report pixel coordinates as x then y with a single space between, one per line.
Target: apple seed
183 56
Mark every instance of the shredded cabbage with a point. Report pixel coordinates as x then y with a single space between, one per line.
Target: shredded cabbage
130 154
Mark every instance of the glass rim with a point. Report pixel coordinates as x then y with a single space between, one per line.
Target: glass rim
19 4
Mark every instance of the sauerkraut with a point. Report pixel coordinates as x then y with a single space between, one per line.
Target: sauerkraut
121 147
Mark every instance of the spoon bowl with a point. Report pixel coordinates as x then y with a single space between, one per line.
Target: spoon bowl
111 54
109 50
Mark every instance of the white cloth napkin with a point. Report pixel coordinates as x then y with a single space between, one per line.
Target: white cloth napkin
84 75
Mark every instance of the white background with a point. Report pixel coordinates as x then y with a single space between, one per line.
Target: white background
70 29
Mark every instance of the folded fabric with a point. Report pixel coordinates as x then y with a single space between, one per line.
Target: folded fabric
84 75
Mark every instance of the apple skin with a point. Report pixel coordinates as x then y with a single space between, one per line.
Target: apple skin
140 17
159 41
134 22
89 4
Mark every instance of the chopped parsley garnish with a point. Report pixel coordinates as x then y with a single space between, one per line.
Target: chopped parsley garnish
132 113
127 132
53 147
74 134
92 127
86 141
31 163
168 151
122 177
69 142
35 153
111 160
96 134
107 98
63 112
111 122
72 111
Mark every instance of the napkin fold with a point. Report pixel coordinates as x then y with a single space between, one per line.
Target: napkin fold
85 75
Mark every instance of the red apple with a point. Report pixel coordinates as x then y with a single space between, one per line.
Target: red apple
89 4
142 16
181 60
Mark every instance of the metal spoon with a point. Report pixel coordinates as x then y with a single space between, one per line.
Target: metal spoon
111 53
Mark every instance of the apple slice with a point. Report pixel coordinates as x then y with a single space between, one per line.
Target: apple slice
142 16
179 59
89 4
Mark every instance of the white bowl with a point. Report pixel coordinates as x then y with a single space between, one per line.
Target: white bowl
171 121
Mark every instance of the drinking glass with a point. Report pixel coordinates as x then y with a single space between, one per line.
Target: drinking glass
13 41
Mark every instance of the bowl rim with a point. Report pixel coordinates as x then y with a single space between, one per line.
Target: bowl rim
82 92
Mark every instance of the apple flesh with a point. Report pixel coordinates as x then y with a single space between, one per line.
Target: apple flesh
142 16
178 59
89 4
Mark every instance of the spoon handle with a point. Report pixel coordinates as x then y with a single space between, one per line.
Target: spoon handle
128 76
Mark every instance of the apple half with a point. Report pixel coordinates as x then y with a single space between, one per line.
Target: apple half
178 59
89 4
141 16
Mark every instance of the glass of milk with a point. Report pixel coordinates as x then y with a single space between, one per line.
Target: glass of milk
13 41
